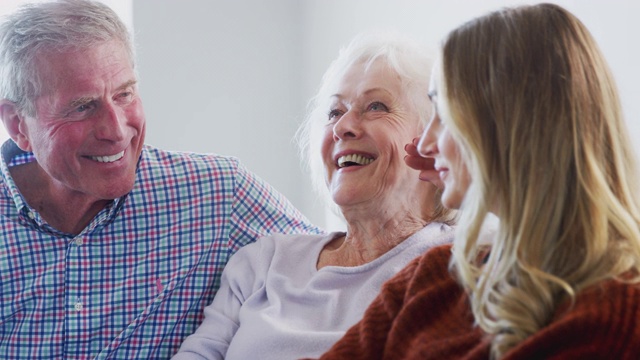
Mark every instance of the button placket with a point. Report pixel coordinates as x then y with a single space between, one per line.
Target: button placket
78 306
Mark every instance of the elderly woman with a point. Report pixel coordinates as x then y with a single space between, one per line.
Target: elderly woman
528 127
293 296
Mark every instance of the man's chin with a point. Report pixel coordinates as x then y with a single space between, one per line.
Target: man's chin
113 193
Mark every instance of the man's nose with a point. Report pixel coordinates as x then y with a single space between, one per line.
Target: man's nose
110 124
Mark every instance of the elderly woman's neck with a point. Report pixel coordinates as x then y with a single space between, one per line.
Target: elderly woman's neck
369 238
368 233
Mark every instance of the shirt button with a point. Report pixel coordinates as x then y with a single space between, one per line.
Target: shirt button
31 215
79 241
78 306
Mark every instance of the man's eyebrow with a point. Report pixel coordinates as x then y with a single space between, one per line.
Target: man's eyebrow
71 105
79 101
127 84
85 99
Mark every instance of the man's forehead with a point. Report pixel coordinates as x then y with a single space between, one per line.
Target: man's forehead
83 69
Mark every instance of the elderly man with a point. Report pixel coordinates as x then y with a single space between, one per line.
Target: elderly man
109 248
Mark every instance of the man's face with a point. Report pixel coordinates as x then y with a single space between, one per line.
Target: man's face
89 127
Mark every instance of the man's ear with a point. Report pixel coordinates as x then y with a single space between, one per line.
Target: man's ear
14 123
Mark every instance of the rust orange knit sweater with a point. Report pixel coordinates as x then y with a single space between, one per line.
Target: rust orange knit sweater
422 313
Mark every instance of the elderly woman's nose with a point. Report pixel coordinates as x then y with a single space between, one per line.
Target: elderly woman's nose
347 127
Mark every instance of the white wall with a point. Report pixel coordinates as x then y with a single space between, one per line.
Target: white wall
223 77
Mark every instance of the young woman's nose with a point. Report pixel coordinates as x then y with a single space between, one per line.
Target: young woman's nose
428 143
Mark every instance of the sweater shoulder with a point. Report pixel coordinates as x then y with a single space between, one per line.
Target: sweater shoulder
603 322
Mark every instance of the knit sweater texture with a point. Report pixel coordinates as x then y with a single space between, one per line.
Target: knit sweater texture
422 313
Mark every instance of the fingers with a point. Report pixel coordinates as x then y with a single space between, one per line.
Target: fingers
414 160
419 163
411 149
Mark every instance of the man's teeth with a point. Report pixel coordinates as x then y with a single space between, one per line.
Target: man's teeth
108 159
354 159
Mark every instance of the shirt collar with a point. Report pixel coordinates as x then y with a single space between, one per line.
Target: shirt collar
11 151
12 155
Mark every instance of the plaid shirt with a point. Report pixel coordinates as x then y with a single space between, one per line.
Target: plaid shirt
134 283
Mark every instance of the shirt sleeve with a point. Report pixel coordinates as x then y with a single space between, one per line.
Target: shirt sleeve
221 318
258 209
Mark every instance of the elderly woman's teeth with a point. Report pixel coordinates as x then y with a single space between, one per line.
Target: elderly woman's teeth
353 159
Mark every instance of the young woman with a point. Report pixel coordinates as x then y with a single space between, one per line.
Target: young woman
527 127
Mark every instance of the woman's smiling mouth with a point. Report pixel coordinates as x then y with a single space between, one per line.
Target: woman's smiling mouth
353 160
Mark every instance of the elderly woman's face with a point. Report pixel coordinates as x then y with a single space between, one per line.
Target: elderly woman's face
370 119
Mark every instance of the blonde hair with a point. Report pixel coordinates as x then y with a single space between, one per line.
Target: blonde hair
535 110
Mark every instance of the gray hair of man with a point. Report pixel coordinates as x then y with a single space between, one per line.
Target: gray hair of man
50 26
410 60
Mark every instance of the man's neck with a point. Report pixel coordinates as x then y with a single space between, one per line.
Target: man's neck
64 211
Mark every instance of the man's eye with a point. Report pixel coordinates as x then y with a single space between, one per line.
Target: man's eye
83 108
81 111
124 98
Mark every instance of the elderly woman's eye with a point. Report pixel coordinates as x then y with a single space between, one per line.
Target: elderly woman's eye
333 114
378 106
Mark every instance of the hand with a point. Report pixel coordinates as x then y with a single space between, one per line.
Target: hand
414 160
425 165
